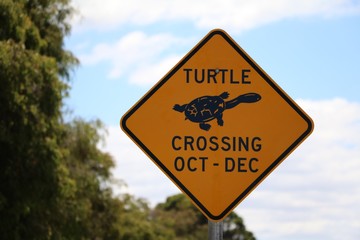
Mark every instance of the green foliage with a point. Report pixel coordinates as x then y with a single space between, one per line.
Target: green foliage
84 192
30 102
135 223
32 65
179 215
39 25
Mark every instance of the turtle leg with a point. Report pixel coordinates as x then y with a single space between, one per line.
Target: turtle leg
179 108
220 121
205 126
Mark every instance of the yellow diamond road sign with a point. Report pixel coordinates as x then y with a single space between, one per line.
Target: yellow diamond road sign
216 124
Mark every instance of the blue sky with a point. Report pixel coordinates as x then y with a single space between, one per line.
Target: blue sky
313 57
310 48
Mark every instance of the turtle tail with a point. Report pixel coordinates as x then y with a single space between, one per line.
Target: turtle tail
245 98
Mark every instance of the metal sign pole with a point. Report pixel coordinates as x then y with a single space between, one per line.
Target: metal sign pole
215 230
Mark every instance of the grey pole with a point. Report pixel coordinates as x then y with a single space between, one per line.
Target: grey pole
215 230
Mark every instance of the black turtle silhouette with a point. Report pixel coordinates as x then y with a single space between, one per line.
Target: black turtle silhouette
207 108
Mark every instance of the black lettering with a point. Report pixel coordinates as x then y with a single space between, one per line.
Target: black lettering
192 169
202 76
241 164
255 145
209 76
215 145
203 159
244 144
173 143
234 144
251 165
229 164
212 74
187 70
228 145
201 143
232 81
223 71
176 164
245 76
188 142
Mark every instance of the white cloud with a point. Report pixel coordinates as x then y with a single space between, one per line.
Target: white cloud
234 15
149 73
314 194
137 54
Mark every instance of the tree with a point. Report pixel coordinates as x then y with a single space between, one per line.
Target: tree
89 210
187 222
54 181
136 222
179 215
34 70
87 205
234 228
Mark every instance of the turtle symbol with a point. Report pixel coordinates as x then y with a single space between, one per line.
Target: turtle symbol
206 108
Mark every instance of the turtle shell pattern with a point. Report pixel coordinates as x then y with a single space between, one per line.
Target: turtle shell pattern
204 109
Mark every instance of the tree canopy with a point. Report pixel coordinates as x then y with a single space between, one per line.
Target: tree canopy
34 69
178 214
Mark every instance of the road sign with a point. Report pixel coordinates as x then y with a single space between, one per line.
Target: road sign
216 124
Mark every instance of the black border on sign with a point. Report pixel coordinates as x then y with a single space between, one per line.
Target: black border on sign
264 76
